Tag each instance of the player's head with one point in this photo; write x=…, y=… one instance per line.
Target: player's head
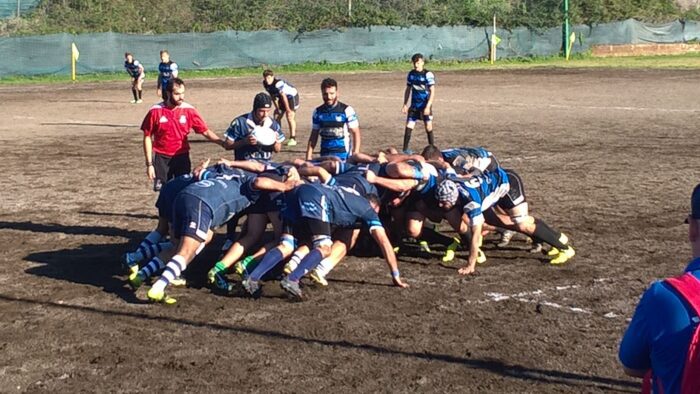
x=129, y=57
x=175, y=90
x=447, y=194
x=432, y=152
x=164, y=56
x=694, y=221
x=268, y=76
x=329, y=91
x=262, y=105
x=418, y=61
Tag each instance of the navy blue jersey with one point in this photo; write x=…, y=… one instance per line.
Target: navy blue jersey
x=479, y=193
x=226, y=195
x=166, y=71
x=466, y=159
x=279, y=87
x=333, y=124
x=340, y=206
x=134, y=69
x=241, y=127
x=420, y=83
x=354, y=177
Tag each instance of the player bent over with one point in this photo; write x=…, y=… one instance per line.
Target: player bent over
x=481, y=194
x=197, y=209
x=286, y=99
x=135, y=70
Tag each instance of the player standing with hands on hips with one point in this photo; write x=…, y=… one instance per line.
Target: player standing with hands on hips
x=165, y=129
x=420, y=87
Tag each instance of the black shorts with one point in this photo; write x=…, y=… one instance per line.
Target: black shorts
x=516, y=193
x=169, y=167
x=293, y=102
x=306, y=229
x=416, y=114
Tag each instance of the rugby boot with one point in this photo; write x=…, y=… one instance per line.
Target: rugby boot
x=536, y=248
x=221, y=284
x=160, y=297
x=506, y=237
x=219, y=267
x=292, y=288
x=424, y=247
x=179, y=281
x=252, y=287
x=318, y=278
x=135, y=280
x=563, y=256
x=450, y=252
x=480, y=257
x=292, y=142
x=131, y=263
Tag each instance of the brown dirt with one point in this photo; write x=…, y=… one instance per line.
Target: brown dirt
x=604, y=158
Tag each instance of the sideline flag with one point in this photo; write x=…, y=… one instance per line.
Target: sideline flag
x=74, y=55
x=572, y=40
x=496, y=40
x=74, y=51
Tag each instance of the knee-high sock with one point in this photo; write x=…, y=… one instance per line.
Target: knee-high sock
x=151, y=268
x=325, y=267
x=148, y=247
x=309, y=262
x=172, y=270
x=406, y=138
x=547, y=234
x=135, y=93
x=269, y=261
x=431, y=139
x=140, y=94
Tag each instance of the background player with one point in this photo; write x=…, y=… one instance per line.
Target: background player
x=420, y=87
x=137, y=73
x=286, y=100
x=335, y=122
x=167, y=69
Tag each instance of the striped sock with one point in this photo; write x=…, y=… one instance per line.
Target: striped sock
x=325, y=267
x=147, y=247
x=153, y=266
x=309, y=262
x=295, y=260
x=172, y=270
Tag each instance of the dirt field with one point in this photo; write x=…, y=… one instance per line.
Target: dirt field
x=606, y=157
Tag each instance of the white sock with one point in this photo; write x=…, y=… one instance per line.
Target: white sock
x=172, y=270
x=325, y=267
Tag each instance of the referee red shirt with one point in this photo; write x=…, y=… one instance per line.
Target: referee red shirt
x=169, y=127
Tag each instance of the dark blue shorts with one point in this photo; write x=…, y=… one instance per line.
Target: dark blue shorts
x=191, y=217
x=416, y=114
x=168, y=192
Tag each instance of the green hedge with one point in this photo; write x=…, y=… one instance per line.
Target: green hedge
x=174, y=16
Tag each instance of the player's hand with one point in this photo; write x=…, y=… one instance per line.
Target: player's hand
x=381, y=158
x=293, y=174
x=252, y=140
x=398, y=282
x=151, y=172
x=426, y=111
x=404, y=109
x=469, y=268
x=371, y=176
x=198, y=170
x=159, y=93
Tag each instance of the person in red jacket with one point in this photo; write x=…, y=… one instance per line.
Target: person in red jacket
x=165, y=129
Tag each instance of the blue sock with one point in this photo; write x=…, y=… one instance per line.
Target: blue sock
x=309, y=262
x=268, y=262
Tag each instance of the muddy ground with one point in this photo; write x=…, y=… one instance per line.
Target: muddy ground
x=607, y=156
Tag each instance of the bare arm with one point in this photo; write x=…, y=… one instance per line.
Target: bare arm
x=319, y=172
x=474, y=247
x=406, y=96
x=148, y=154
x=429, y=104
x=211, y=136
x=396, y=185
x=248, y=165
x=269, y=184
x=313, y=139
x=356, y=140
x=277, y=147
x=379, y=235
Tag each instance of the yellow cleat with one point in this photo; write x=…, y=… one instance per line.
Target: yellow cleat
x=317, y=278
x=160, y=297
x=239, y=268
x=563, y=256
x=396, y=249
x=480, y=257
x=424, y=246
x=553, y=252
x=292, y=142
x=450, y=252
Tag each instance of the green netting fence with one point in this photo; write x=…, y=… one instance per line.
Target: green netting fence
x=104, y=52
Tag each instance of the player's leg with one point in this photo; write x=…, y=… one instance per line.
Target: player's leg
x=273, y=257
x=428, y=121
x=410, y=125
x=139, y=90
x=291, y=113
x=149, y=247
x=321, y=238
x=345, y=240
x=254, y=231
x=134, y=90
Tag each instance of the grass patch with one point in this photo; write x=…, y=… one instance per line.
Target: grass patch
x=686, y=61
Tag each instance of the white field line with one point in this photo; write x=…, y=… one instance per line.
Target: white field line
x=572, y=106
x=537, y=297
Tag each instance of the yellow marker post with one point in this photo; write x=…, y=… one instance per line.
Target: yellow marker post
x=572, y=40
x=74, y=55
